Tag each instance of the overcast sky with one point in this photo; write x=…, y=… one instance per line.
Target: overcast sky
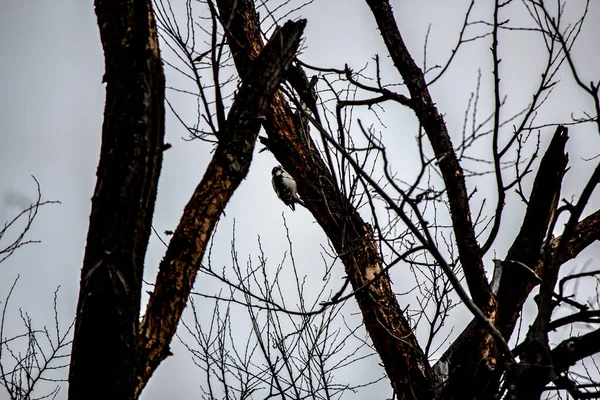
x=51, y=107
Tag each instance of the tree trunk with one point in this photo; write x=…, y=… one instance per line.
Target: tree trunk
x=103, y=358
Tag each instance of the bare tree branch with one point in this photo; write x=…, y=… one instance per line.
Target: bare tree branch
x=352, y=238
x=227, y=169
x=433, y=123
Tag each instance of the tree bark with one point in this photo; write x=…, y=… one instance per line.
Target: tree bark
x=454, y=180
x=228, y=167
x=103, y=357
x=474, y=359
x=516, y=283
x=392, y=336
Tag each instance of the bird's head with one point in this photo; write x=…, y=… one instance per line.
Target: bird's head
x=278, y=170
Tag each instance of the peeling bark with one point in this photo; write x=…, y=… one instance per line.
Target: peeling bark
x=228, y=167
x=103, y=357
x=392, y=336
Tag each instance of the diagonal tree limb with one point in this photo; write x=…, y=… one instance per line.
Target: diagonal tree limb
x=539, y=365
x=228, y=167
x=589, y=316
x=421, y=103
x=571, y=350
x=122, y=205
x=586, y=232
x=551, y=266
x=452, y=173
x=515, y=283
x=392, y=336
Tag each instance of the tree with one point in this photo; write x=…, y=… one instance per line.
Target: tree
x=382, y=225
x=128, y=172
x=480, y=362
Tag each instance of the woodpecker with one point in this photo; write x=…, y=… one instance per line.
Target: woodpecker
x=285, y=187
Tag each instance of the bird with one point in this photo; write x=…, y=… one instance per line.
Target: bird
x=285, y=187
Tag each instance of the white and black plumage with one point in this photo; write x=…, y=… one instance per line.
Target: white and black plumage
x=285, y=187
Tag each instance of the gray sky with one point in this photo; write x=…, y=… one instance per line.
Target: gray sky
x=51, y=107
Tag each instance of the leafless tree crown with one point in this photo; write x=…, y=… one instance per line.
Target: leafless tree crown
x=430, y=213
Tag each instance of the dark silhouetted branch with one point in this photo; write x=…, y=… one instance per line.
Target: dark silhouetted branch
x=122, y=205
x=392, y=336
x=228, y=167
